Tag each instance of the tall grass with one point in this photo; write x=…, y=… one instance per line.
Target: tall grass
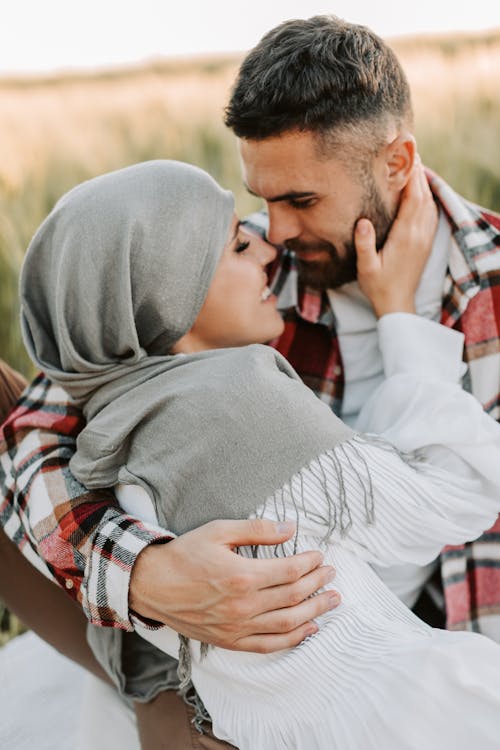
x=455, y=84
x=55, y=132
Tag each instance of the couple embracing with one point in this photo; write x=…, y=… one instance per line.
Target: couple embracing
x=148, y=303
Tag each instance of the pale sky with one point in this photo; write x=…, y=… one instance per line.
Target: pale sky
x=44, y=35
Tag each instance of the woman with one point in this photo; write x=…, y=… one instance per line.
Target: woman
x=192, y=428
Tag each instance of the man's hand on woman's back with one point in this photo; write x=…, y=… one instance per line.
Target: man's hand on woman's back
x=201, y=588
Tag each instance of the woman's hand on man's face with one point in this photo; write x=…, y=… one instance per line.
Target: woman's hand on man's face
x=201, y=588
x=390, y=277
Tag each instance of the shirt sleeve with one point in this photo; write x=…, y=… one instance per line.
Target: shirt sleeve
x=450, y=445
x=416, y=345
x=80, y=539
x=421, y=406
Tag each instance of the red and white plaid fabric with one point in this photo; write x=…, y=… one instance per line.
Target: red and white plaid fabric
x=81, y=539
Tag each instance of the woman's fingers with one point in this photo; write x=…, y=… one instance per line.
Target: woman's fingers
x=365, y=242
x=417, y=214
x=390, y=277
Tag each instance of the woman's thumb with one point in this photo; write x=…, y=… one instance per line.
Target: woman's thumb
x=365, y=243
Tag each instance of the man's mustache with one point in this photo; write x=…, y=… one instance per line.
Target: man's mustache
x=298, y=246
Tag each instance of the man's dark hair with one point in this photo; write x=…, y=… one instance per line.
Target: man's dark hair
x=322, y=75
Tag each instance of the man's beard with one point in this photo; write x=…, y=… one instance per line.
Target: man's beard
x=340, y=269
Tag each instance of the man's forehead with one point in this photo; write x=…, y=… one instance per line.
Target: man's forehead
x=276, y=180
x=275, y=149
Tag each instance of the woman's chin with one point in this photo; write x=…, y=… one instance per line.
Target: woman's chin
x=271, y=332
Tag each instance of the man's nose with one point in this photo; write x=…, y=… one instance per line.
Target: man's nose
x=283, y=225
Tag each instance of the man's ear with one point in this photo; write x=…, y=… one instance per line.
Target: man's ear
x=400, y=157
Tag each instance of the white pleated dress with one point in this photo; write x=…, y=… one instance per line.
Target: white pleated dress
x=374, y=677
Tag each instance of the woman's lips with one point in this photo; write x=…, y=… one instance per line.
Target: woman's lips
x=267, y=297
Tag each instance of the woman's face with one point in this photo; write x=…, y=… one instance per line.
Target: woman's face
x=238, y=309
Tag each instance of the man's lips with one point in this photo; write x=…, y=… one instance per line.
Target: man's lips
x=311, y=256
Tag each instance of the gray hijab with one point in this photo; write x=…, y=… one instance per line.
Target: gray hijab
x=119, y=270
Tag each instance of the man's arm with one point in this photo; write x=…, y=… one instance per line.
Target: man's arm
x=110, y=561
x=80, y=539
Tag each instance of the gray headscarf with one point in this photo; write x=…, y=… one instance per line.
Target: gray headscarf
x=119, y=271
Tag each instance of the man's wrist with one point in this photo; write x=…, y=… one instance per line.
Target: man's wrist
x=142, y=577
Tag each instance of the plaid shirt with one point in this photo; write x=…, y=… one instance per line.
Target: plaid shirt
x=89, y=545
x=81, y=539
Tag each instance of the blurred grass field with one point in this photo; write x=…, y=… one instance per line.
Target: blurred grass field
x=57, y=131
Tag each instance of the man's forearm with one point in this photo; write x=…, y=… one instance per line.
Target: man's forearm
x=81, y=539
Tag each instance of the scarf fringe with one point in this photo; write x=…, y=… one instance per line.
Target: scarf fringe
x=350, y=453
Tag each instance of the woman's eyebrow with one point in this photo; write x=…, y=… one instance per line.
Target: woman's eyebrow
x=237, y=229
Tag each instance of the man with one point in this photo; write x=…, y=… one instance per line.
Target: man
x=323, y=113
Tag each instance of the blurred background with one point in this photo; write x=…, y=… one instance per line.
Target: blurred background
x=96, y=86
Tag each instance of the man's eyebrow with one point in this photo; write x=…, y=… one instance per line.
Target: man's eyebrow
x=290, y=196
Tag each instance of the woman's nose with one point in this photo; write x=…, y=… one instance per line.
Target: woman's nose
x=267, y=252
x=262, y=251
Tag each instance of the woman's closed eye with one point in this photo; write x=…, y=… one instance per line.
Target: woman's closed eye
x=241, y=246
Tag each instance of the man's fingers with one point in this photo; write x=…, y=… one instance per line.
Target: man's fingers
x=289, y=618
x=250, y=532
x=265, y=573
x=365, y=242
x=287, y=628
x=266, y=644
x=291, y=594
